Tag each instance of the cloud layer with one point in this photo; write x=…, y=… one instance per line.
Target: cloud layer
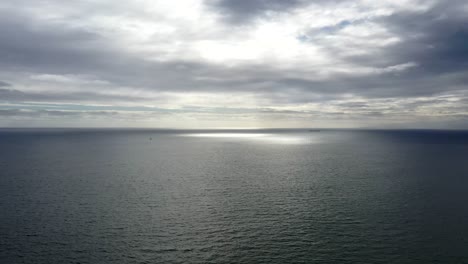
x=227, y=63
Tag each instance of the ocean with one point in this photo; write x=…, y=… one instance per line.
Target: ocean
x=239, y=196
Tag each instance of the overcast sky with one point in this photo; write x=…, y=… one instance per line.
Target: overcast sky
x=234, y=63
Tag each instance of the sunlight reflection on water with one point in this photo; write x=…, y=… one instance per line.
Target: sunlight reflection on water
x=259, y=137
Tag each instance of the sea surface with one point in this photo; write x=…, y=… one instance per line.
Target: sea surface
x=254, y=196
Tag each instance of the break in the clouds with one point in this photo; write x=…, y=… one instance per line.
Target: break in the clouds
x=234, y=63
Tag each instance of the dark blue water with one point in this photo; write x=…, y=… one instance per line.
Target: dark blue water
x=84, y=196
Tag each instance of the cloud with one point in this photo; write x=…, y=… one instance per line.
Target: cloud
x=12, y=95
x=246, y=11
x=242, y=11
x=272, y=61
x=436, y=39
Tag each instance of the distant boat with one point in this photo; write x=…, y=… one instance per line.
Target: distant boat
x=314, y=130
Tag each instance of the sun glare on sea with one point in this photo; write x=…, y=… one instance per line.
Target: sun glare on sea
x=259, y=137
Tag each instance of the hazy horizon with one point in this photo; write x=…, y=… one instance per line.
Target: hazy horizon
x=239, y=129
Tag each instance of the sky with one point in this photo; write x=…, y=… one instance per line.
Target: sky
x=234, y=63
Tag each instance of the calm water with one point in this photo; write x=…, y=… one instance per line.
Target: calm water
x=254, y=197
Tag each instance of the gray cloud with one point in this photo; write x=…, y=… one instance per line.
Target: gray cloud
x=436, y=40
x=242, y=11
x=22, y=113
x=12, y=95
x=245, y=11
x=432, y=42
x=31, y=45
x=54, y=49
